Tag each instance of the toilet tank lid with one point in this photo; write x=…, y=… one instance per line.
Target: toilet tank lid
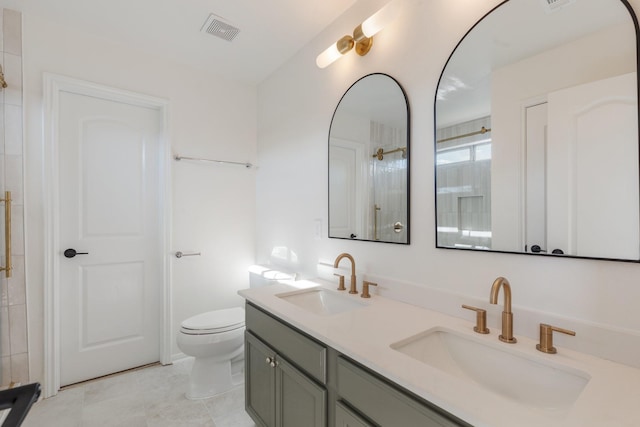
x=215, y=319
x=269, y=273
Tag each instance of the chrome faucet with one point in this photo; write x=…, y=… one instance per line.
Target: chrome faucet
x=507, y=315
x=352, y=288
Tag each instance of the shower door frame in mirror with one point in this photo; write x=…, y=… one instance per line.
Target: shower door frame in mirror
x=368, y=163
x=493, y=212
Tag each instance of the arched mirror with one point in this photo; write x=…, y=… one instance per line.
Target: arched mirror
x=369, y=163
x=536, y=133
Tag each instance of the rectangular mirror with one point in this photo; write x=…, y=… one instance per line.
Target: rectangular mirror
x=537, y=132
x=369, y=163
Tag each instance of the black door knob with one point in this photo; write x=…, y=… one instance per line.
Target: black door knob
x=537, y=249
x=558, y=252
x=70, y=253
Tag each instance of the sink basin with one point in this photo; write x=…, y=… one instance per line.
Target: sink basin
x=322, y=301
x=526, y=379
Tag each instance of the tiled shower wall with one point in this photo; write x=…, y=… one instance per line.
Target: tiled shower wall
x=13, y=309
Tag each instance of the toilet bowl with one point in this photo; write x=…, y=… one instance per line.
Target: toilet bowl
x=216, y=340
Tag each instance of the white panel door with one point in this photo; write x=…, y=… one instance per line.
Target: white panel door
x=109, y=209
x=536, y=177
x=593, y=169
x=347, y=195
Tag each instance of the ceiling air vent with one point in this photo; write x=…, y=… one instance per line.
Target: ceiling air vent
x=555, y=5
x=216, y=26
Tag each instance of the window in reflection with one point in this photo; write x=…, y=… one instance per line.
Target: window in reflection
x=561, y=91
x=463, y=156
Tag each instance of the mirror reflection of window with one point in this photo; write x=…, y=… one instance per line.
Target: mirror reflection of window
x=463, y=177
x=559, y=83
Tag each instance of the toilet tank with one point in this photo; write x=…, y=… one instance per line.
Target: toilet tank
x=261, y=275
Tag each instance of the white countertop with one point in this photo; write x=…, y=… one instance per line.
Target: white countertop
x=610, y=398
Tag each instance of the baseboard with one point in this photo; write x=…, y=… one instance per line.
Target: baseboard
x=178, y=357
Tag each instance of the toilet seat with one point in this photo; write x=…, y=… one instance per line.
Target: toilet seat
x=214, y=322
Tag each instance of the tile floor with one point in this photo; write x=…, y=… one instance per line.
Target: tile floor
x=149, y=397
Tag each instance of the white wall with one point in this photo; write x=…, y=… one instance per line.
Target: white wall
x=294, y=111
x=213, y=206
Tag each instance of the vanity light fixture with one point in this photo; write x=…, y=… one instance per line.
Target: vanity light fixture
x=362, y=37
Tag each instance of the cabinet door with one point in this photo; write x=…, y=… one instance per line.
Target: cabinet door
x=307, y=354
x=347, y=418
x=260, y=381
x=300, y=401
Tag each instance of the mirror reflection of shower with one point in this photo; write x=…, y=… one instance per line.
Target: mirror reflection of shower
x=369, y=163
x=388, y=172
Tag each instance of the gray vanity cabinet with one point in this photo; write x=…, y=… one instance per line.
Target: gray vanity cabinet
x=282, y=369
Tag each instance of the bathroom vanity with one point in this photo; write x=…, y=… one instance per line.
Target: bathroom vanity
x=318, y=357
x=293, y=379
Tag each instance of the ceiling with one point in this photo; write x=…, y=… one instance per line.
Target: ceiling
x=171, y=28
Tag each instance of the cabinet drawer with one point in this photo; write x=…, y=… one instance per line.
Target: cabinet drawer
x=345, y=417
x=387, y=405
x=307, y=354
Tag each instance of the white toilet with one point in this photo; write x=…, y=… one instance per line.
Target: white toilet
x=216, y=340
